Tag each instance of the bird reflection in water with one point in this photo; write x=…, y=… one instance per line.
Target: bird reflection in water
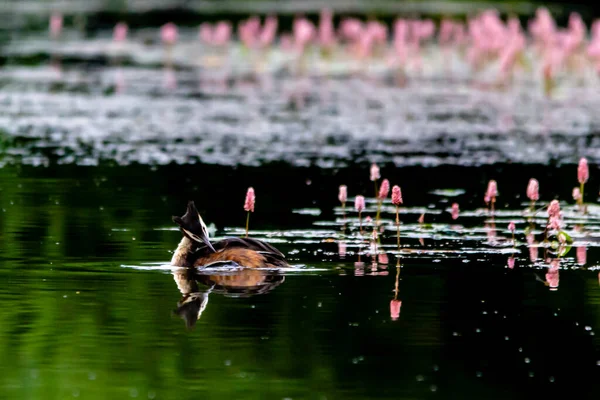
x=196, y=286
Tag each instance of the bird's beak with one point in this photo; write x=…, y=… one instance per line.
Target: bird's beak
x=208, y=243
x=202, y=238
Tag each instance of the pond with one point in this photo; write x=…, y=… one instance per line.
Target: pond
x=102, y=143
x=92, y=309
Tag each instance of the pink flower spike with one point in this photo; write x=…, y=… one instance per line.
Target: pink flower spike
x=396, y=195
x=492, y=190
x=205, y=33
x=422, y=219
x=384, y=190
x=351, y=29
x=56, y=24
x=554, y=209
x=267, y=35
x=359, y=203
x=168, y=33
x=511, y=227
x=533, y=190
x=250, y=200
x=455, y=211
x=120, y=32
x=326, y=30
x=222, y=33
x=583, y=171
x=576, y=194
x=304, y=32
x=375, y=172
x=343, y=194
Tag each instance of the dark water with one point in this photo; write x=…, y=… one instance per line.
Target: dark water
x=88, y=304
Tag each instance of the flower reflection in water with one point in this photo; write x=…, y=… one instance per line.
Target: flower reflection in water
x=552, y=276
x=533, y=249
x=511, y=262
x=395, y=304
x=581, y=254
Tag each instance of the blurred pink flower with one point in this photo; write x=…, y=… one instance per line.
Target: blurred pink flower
x=304, y=32
x=377, y=32
x=343, y=194
x=576, y=194
x=56, y=24
x=533, y=190
x=222, y=33
x=120, y=32
x=326, y=30
x=205, y=33
x=421, y=219
x=217, y=35
x=351, y=29
x=269, y=31
x=511, y=227
x=375, y=172
x=168, y=33
x=492, y=189
x=249, y=30
x=446, y=31
x=583, y=171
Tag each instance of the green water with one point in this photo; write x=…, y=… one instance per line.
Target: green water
x=88, y=305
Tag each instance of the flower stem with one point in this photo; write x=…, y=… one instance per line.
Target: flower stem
x=360, y=221
x=398, y=226
x=247, y=223
x=396, y=290
x=581, y=198
x=375, y=182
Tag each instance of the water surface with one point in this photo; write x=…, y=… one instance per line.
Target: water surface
x=90, y=306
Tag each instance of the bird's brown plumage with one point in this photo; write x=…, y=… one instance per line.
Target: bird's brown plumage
x=196, y=250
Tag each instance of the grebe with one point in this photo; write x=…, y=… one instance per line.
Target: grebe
x=196, y=249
